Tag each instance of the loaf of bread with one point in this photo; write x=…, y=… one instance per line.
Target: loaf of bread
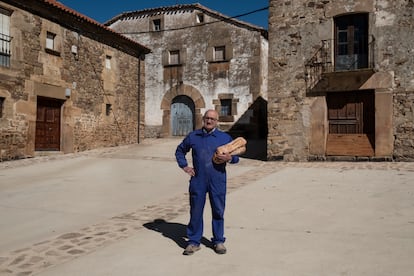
x=235, y=147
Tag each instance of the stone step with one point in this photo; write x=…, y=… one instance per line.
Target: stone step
x=48, y=153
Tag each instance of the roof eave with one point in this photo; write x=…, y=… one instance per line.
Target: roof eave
x=196, y=6
x=70, y=19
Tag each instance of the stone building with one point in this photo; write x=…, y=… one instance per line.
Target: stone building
x=200, y=60
x=341, y=83
x=67, y=83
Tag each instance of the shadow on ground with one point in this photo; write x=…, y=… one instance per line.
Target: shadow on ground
x=174, y=231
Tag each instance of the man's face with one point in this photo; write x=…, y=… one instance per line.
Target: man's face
x=210, y=120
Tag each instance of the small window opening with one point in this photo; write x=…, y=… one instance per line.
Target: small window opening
x=108, y=109
x=50, y=41
x=220, y=53
x=1, y=106
x=108, y=62
x=174, y=57
x=156, y=25
x=200, y=18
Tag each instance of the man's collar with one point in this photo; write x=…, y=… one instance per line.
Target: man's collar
x=208, y=132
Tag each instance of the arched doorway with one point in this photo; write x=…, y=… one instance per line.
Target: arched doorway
x=182, y=115
x=171, y=96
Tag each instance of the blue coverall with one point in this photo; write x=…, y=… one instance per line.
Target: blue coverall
x=209, y=178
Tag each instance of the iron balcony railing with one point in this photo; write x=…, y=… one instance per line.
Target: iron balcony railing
x=5, y=50
x=325, y=61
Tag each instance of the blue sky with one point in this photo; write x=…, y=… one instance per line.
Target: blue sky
x=104, y=10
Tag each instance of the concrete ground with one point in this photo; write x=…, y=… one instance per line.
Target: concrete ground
x=123, y=211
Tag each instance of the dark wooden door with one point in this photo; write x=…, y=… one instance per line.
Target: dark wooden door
x=351, y=118
x=48, y=124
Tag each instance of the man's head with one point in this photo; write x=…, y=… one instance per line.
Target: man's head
x=210, y=119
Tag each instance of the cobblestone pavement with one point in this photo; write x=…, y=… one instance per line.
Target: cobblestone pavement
x=64, y=247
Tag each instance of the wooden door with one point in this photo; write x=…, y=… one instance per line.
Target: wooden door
x=48, y=124
x=182, y=116
x=351, y=118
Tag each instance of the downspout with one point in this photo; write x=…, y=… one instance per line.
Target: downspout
x=139, y=97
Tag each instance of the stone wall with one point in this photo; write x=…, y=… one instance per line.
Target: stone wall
x=397, y=52
x=241, y=75
x=289, y=29
x=86, y=122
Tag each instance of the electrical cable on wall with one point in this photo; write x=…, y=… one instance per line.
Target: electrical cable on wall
x=201, y=24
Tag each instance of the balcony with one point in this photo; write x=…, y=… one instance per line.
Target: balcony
x=328, y=71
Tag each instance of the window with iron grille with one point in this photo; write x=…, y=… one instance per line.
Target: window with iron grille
x=5, y=37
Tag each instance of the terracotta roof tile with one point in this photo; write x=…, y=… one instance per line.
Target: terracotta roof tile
x=84, y=20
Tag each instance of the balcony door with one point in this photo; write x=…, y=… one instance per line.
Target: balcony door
x=351, y=42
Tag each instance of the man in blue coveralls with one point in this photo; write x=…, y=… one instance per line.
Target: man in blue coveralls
x=206, y=177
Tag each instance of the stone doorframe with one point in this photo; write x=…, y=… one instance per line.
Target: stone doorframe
x=178, y=90
x=384, y=139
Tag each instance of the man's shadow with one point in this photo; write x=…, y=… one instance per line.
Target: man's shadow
x=174, y=231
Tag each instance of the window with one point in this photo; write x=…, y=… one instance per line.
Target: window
x=351, y=37
x=220, y=53
x=200, y=18
x=225, y=107
x=1, y=106
x=51, y=46
x=50, y=41
x=174, y=57
x=108, y=62
x=5, y=37
x=156, y=23
x=108, y=109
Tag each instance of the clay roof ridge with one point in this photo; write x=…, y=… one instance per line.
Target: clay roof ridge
x=72, y=11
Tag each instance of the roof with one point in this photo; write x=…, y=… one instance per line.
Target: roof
x=73, y=20
x=196, y=6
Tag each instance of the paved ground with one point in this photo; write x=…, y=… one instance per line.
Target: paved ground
x=122, y=211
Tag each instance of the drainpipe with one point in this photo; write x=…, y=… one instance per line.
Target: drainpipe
x=141, y=58
x=139, y=97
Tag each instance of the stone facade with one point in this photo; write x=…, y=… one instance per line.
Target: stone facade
x=307, y=81
x=63, y=62
x=202, y=60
